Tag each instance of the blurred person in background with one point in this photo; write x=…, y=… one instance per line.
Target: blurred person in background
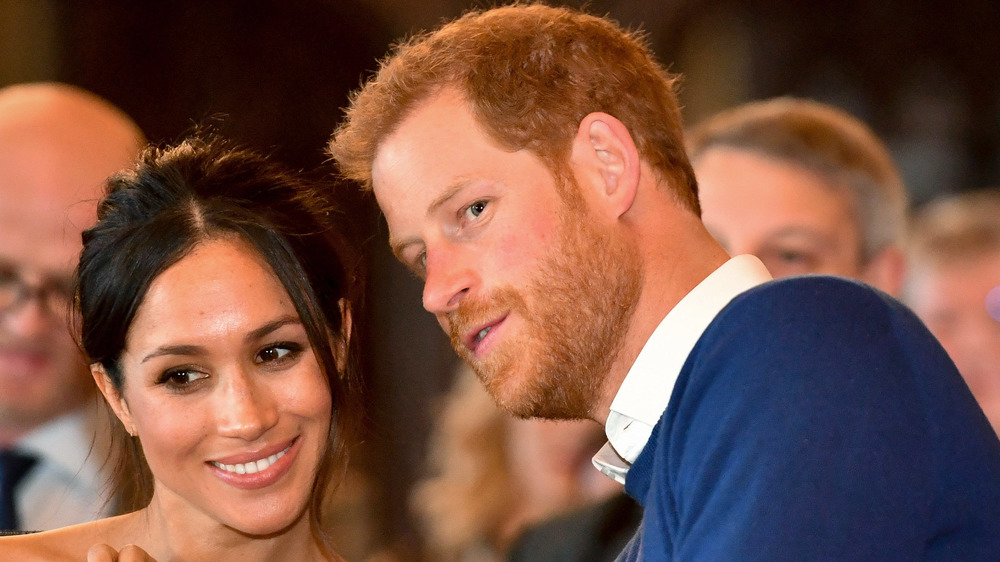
x=805, y=187
x=490, y=474
x=57, y=145
x=953, y=284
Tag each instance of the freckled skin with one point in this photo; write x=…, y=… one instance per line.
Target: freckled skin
x=553, y=284
x=217, y=366
x=241, y=398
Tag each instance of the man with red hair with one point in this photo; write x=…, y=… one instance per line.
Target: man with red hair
x=531, y=168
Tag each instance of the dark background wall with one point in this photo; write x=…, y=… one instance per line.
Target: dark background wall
x=275, y=75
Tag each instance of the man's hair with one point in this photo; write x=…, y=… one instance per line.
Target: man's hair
x=828, y=142
x=531, y=73
x=956, y=229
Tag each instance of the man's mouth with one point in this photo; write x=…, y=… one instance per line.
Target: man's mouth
x=474, y=338
x=482, y=333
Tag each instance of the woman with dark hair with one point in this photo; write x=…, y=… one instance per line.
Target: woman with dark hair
x=215, y=298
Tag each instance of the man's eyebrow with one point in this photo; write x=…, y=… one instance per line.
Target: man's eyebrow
x=59, y=278
x=447, y=194
x=799, y=232
x=399, y=245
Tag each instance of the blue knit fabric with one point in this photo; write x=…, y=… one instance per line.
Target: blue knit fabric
x=817, y=419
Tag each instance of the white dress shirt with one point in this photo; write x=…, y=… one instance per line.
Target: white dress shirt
x=646, y=390
x=67, y=484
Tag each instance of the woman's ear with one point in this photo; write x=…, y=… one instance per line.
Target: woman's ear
x=113, y=397
x=341, y=343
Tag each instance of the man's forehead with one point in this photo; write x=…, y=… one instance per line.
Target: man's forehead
x=406, y=163
x=50, y=260
x=46, y=201
x=43, y=234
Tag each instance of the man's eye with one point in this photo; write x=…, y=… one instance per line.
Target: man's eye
x=8, y=276
x=476, y=208
x=791, y=256
x=65, y=288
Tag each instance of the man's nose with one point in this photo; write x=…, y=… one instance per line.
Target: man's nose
x=450, y=276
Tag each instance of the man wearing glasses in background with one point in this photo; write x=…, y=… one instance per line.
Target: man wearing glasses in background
x=57, y=145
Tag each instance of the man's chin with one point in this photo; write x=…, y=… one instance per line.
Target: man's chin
x=509, y=391
x=524, y=397
x=43, y=393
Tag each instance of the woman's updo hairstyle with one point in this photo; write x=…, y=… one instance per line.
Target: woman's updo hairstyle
x=202, y=189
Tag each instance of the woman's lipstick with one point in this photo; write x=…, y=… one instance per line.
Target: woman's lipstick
x=254, y=470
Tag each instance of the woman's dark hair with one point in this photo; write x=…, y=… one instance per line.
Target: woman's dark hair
x=202, y=189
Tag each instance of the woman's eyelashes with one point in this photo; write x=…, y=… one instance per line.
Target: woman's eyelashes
x=181, y=378
x=279, y=354
x=272, y=357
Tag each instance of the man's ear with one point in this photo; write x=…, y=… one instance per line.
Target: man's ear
x=605, y=156
x=341, y=343
x=111, y=394
x=886, y=270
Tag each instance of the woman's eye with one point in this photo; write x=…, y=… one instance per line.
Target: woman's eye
x=181, y=377
x=277, y=352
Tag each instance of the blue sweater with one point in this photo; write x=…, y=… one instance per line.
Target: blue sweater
x=817, y=419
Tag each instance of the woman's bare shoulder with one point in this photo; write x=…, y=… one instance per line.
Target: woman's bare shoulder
x=66, y=543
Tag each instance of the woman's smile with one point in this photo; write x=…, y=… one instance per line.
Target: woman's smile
x=228, y=400
x=260, y=471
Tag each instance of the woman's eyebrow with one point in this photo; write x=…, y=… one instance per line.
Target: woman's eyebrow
x=173, y=350
x=254, y=335
x=271, y=327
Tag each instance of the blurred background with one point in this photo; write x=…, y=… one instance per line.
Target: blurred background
x=275, y=74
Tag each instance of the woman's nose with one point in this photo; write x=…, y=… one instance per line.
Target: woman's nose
x=245, y=408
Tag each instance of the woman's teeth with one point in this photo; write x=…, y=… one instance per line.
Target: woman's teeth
x=252, y=466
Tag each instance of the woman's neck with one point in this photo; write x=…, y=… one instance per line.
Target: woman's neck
x=173, y=532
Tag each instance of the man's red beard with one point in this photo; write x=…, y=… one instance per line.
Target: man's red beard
x=574, y=316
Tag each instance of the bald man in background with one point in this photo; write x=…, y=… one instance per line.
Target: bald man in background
x=57, y=145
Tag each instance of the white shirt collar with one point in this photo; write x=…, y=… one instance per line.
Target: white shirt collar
x=646, y=390
x=67, y=441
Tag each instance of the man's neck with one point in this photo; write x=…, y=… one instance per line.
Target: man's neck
x=675, y=261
